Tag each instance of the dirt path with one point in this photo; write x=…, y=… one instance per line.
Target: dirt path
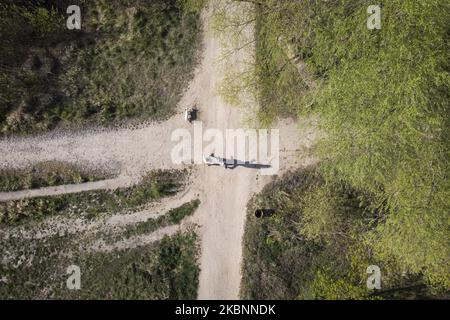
x=225, y=193
x=129, y=151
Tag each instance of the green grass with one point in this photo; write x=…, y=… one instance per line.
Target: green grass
x=35, y=268
x=167, y=269
x=178, y=214
x=153, y=186
x=130, y=63
x=46, y=174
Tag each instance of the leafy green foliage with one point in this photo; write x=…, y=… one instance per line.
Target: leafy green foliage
x=382, y=97
x=178, y=214
x=386, y=127
x=325, y=287
x=317, y=246
x=43, y=21
x=193, y=5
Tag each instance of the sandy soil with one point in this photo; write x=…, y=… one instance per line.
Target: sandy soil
x=224, y=193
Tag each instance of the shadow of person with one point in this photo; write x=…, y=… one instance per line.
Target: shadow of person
x=255, y=165
x=233, y=163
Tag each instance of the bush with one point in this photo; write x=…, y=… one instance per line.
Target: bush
x=317, y=244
